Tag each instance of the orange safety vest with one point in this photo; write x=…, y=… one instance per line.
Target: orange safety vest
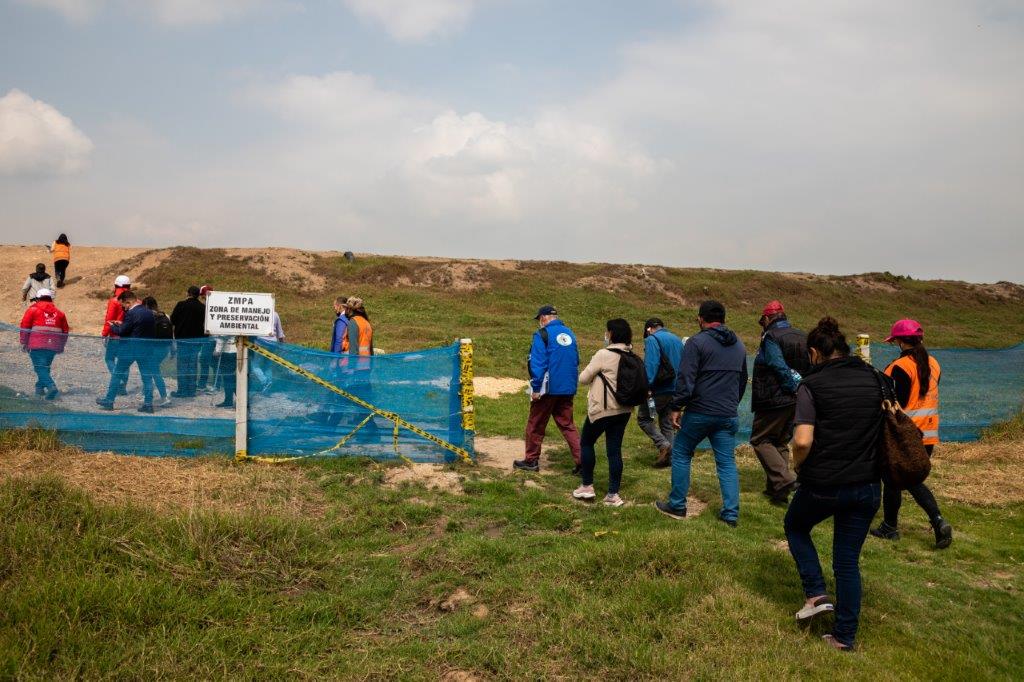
x=60, y=252
x=924, y=411
x=365, y=336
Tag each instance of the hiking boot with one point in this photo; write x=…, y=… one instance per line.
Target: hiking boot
x=819, y=606
x=52, y=393
x=732, y=523
x=943, y=533
x=105, y=405
x=148, y=409
x=584, y=492
x=668, y=510
x=526, y=465
x=886, y=532
x=664, y=458
x=613, y=500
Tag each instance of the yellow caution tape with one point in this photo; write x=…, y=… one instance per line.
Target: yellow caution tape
x=391, y=416
x=466, y=384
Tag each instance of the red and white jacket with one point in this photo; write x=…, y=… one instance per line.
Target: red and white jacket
x=44, y=327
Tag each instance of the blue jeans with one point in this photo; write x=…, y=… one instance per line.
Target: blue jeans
x=853, y=507
x=613, y=428
x=126, y=357
x=41, y=361
x=721, y=433
x=207, y=363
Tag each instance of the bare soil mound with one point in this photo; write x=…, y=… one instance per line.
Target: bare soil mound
x=431, y=476
x=291, y=266
x=987, y=473
x=495, y=387
x=499, y=453
x=170, y=484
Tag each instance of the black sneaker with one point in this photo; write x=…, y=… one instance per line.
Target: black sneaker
x=526, y=465
x=577, y=469
x=886, y=532
x=668, y=510
x=732, y=523
x=104, y=404
x=52, y=393
x=943, y=533
x=148, y=409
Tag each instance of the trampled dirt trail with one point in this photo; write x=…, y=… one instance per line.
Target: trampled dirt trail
x=88, y=276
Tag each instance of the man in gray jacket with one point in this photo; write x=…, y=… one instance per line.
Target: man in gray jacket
x=711, y=381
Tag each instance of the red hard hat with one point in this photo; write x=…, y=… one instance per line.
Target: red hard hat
x=773, y=308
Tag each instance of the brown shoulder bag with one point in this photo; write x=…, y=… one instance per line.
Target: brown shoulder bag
x=901, y=452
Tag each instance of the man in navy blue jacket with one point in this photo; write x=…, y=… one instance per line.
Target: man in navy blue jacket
x=554, y=374
x=138, y=323
x=711, y=382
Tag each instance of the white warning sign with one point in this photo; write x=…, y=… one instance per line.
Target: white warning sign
x=233, y=313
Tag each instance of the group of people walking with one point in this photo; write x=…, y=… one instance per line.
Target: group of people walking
x=817, y=417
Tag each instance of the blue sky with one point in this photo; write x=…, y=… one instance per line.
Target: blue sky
x=825, y=137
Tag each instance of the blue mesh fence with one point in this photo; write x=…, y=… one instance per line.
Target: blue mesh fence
x=978, y=388
x=288, y=414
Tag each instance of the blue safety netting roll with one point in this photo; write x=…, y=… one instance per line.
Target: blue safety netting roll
x=288, y=413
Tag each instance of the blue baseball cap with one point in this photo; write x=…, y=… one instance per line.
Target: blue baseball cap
x=546, y=310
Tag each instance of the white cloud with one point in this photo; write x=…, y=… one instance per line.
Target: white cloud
x=165, y=12
x=414, y=20
x=37, y=140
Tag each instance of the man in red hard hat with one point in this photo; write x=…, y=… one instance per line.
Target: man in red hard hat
x=780, y=363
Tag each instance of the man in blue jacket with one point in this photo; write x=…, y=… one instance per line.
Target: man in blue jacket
x=554, y=374
x=662, y=352
x=340, y=324
x=138, y=324
x=711, y=382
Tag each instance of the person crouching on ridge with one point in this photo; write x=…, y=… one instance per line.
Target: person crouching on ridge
x=554, y=363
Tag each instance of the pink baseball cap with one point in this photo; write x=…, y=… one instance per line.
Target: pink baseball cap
x=905, y=328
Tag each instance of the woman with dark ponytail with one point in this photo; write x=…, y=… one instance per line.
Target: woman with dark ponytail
x=916, y=375
x=838, y=417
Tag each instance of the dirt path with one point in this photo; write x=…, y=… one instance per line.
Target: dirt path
x=87, y=276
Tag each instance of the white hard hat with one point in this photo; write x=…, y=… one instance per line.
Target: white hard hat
x=123, y=281
x=44, y=293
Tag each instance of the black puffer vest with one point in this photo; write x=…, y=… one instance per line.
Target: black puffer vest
x=766, y=390
x=847, y=403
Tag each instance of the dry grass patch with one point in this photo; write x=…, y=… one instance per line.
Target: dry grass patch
x=169, y=484
x=987, y=473
x=431, y=476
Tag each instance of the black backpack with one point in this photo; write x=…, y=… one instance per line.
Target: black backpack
x=666, y=372
x=631, y=387
x=162, y=327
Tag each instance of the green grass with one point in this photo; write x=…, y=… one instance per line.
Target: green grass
x=572, y=590
x=413, y=304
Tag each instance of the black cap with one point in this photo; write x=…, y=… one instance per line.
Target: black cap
x=546, y=310
x=193, y=291
x=653, y=322
x=710, y=309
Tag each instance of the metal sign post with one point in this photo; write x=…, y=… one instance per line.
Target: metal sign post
x=240, y=314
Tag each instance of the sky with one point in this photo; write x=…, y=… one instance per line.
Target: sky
x=831, y=137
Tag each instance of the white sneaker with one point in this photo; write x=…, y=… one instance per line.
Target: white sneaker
x=613, y=500
x=165, y=402
x=584, y=492
x=821, y=605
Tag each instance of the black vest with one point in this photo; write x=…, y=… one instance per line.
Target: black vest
x=766, y=391
x=847, y=403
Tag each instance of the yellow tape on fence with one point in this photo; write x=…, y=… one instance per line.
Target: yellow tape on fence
x=391, y=416
x=466, y=383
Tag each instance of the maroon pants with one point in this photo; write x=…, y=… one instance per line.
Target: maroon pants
x=542, y=409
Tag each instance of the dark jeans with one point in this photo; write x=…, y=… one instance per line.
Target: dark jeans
x=543, y=409
x=892, y=500
x=226, y=373
x=769, y=436
x=853, y=507
x=41, y=361
x=126, y=357
x=662, y=433
x=188, y=361
x=207, y=363
x=114, y=346
x=157, y=355
x=613, y=428
x=60, y=268
x=721, y=433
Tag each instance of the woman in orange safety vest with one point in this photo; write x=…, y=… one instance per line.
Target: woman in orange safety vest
x=61, y=251
x=358, y=338
x=916, y=375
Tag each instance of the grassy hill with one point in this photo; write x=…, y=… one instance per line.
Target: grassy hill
x=423, y=302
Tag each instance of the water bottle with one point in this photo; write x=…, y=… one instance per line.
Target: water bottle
x=650, y=405
x=796, y=375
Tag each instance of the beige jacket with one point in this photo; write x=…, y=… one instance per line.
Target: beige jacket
x=607, y=363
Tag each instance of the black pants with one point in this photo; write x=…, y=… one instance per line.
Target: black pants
x=60, y=267
x=892, y=499
x=613, y=428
